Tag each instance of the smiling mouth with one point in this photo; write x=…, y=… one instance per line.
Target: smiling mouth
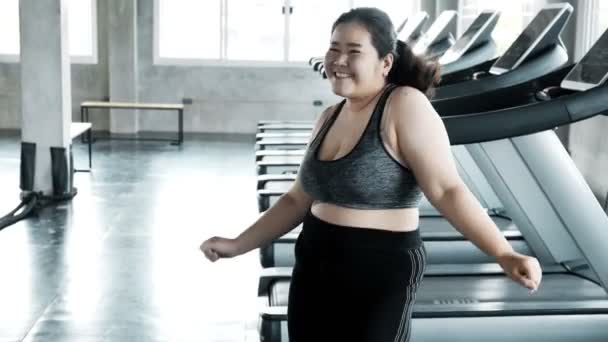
x=341, y=75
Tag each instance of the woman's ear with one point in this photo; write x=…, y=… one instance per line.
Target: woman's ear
x=387, y=64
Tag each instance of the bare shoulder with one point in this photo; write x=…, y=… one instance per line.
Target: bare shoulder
x=407, y=102
x=411, y=109
x=322, y=118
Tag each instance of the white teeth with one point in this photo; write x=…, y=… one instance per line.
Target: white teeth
x=341, y=75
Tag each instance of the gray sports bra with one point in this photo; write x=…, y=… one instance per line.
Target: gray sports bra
x=368, y=177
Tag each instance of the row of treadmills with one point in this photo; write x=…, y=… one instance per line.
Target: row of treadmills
x=439, y=43
x=500, y=123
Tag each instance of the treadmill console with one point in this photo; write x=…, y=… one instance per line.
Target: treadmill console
x=476, y=34
x=592, y=69
x=413, y=27
x=439, y=30
x=530, y=38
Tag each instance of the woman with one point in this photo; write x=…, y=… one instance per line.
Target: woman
x=360, y=258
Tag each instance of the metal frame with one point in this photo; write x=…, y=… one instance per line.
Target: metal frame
x=84, y=117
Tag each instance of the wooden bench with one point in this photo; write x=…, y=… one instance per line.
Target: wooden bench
x=85, y=106
x=76, y=130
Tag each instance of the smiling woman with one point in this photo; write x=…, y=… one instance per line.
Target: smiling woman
x=370, y=158
x=399, y=64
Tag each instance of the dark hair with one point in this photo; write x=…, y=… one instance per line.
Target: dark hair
x=408, y=69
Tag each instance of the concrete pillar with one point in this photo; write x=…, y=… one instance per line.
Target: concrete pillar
x=46, y=102
x=122, y=63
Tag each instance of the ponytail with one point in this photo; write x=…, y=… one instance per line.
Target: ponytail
x=414, y=71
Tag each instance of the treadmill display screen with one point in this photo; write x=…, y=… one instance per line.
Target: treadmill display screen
x=435, y=31
x=526, y=40
x=464, y=41
x=592, y=68
x=413, y=27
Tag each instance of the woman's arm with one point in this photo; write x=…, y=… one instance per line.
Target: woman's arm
x=287, y=213
x=424, y=144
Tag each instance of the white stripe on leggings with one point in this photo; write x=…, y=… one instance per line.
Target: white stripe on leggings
x=414, y=288
x=418, y=261
x=406, y=304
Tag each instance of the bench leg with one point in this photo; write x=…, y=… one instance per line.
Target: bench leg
x=82, y=120
x=180, y=127
x=89, y=136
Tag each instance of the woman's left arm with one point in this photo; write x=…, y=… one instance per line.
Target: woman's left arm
x=424, y=144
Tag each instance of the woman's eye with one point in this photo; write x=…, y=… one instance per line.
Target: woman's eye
x=354, y=51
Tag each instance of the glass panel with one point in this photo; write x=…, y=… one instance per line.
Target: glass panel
x=9, y=27
x=189, y=29
x=80, y=27
x=602, y=20
x=310, y=27
x=398, y=10
x=256, y=30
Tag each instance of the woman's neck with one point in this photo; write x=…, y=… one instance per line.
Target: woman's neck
x=360, y=103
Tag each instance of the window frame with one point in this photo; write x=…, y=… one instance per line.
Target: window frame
x=222, y=62
x=91, y=59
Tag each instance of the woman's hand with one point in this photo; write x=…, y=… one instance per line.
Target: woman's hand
x=218, y=247
x=522, y=269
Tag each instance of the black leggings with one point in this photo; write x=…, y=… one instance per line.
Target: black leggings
x=353, y=284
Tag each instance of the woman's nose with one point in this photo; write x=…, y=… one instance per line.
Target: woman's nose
x=341, y=59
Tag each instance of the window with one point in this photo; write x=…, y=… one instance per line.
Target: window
x=397, y=10
x=602, y=19
x=82, y=30
x=189, y=29
x=513, y=14
x=306, y=40
x=254, y=31
x=9, y=27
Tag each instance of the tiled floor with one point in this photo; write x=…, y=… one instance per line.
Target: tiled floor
x=121, y=261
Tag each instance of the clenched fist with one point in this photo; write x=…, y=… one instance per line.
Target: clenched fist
x=218, y=247
x=522, y=269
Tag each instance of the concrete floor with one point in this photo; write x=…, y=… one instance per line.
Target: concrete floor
x=121, y=261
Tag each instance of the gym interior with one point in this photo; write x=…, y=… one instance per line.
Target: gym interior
x=133, y=130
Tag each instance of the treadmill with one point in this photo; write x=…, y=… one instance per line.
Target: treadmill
x=538, y=50
x=549, y=201
x=439, y=37
x=474, y=47
x=413, y=28
x=549, y=22
x=281, y=252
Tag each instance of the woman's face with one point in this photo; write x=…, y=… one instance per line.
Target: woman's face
x=352, y=63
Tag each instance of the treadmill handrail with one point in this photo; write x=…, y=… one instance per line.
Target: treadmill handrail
x=297, y=141
x=269, y=193
x=526, y=119
x=263, y=179
x=263, y=153
x=277, y=163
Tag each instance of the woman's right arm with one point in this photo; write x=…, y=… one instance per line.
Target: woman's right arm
x=287, y=213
